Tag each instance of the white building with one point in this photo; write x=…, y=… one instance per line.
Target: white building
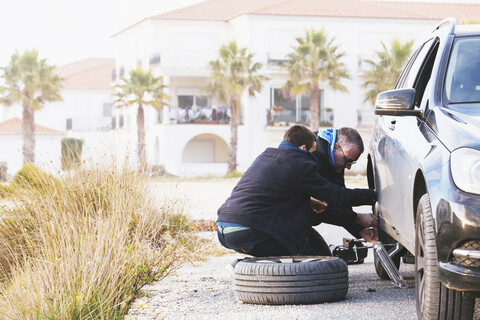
x=47, y=146
x=191, y=137
x=86, y=112
x=179, y=44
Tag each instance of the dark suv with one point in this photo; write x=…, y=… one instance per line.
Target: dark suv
x=424, y=161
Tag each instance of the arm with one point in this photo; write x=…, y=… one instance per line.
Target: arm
x=320, y=188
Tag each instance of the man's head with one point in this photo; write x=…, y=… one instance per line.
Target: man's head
x=301, y=136
x=348, y=148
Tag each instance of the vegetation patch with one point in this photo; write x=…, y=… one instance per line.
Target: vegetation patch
x=83, y=245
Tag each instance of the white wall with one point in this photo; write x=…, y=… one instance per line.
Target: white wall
x=185, y=48
x=47, y=152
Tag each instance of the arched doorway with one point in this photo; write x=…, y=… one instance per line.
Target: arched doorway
x=205, y=148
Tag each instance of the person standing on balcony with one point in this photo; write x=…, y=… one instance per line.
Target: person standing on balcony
x=337, y=150
x=269, y=212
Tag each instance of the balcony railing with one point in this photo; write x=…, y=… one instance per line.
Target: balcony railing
x=285, y=117
x=365, y=117
x=200, y=115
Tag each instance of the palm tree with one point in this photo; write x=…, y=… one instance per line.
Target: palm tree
x=315, y=58
x=30, y=81
x=141, y=89
x=231, y=75
x=385, y=69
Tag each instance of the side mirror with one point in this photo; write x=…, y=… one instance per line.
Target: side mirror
x=399, y=102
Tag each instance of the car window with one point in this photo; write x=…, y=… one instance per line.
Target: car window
x=462, y=82
x=403, y=75
x=411, y=76
x=425, y=73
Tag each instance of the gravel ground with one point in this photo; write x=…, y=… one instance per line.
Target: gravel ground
x=205, y=290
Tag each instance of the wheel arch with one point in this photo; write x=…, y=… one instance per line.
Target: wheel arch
x=370, y=175
x=419, y=189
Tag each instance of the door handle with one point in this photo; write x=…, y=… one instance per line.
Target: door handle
x=391, y=126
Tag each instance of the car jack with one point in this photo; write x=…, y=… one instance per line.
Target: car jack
x=388, y=264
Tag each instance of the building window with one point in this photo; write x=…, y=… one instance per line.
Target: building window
x=122, y=71
x=69, y=124
x=121, y=121
x=155, y=59
x=289, y=109
x=107, y=109
x=185, y=102
x=114, y=74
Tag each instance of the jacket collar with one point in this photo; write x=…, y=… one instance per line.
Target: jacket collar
x=287, y=145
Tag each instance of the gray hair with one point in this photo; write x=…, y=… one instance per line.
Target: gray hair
x=349, y=136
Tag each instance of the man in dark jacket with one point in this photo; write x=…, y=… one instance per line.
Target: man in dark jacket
x=337, y=150
x=269, y=212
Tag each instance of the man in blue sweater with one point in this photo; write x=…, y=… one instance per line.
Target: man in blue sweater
x=269, y=212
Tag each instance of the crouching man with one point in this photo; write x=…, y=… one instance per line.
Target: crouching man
x=269, y=212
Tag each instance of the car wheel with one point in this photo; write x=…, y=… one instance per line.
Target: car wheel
x=291, y=280
x=434, y=300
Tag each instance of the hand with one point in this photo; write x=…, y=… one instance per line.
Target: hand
x=317, y=205
x=369, y=235
x=366, y=220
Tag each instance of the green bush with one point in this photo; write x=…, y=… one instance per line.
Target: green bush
x=234, y=174
x=71, y=153
x=31, y=176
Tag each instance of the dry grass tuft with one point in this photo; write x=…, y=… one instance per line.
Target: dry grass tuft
x=82, y=246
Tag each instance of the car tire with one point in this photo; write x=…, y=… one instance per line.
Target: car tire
x=291, y=280
x=434, y=300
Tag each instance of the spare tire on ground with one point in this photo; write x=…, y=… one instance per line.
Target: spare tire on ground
x=291, y=279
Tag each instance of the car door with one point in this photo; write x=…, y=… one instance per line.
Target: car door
x=405, y=145
x=381, y=172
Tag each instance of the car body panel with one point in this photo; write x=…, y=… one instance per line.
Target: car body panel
x=410, y=155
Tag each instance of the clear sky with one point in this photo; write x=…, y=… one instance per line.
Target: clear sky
x=69, y=30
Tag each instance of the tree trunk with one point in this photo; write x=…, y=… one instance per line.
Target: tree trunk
x=142, y=161
x=234, y=121
x=314, y=107
x=28, y=131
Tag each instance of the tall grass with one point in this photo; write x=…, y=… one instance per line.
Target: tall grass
x=81, y=246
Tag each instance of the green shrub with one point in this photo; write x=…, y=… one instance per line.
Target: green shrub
x=234, y=174
x=30, y=176
x=71, y=153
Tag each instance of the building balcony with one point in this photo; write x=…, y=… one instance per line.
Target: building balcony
x=199, y=115
x=280, y=116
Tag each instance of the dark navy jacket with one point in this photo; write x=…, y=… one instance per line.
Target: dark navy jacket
x=335, y=214
x=273, y=196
